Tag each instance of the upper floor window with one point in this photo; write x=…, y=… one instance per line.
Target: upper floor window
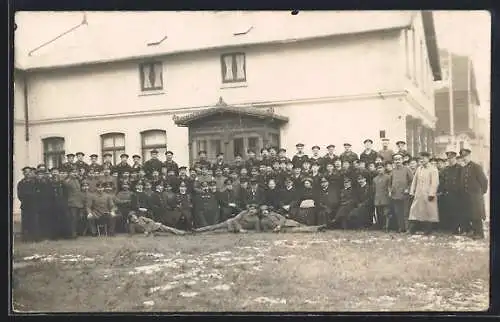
x=151, y=74
x=233, y=68
x=53, y=152
x=153, y=140
x=113, y=143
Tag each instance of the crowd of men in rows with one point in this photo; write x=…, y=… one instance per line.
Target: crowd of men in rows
x=389, y=190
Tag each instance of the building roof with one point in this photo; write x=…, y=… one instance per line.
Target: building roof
x=106, y=37
x=102, y=37
x=222, y=108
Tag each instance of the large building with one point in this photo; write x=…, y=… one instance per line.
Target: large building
x=457, y=104
x=224, y=81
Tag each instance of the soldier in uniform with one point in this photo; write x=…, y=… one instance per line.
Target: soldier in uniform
x=251, y=159
x=58, y=205
x=381, y=199
x=136, y=165
x=73, y=191
x=328, y=202
x=123, y=165
x=228, y=201
x=107, y=162
x=202, y=160
x=153, y=164
x=288, y=198
x=275, y=222
x=402, y=149
x=170, y=164
x=96, y=167
x=385, y=153
x=219, y=179
x=140, y=202
x=330, y=157
x=43, y=199
x=183, y=177
x=185, y=206
x=347, y=204
x=348, y=155
x=400, y=184
x=219, y=161
x=306, y=212
x=315, y=155
x=265, y=160
x=80, y=164
x=108, y=179
x=451, y=212
x=241, y=223
x=474, y=185
x=101, y=207
x=69, y=164
x=368, y=155
x=238, y=163
x=362, y=214
x=255, y=193
x=299, y=158
x=150, y=227
x=272, y=194
x=123, y=202
x=26, y=192
x=273, y=154
x=202, y=213
x=282, y=155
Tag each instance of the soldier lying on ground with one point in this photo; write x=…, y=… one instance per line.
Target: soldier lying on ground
x=273, y=221
x=149, y=226
x=245, y=220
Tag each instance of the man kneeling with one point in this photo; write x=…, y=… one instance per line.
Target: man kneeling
x=273, y=221
x=245, y=220
x=101, y=209
x=149, y=226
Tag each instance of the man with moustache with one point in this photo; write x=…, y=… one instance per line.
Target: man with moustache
x=385, y=153
x=400, y=184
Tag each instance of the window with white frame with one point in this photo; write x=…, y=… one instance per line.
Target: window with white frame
x=53, y=152
x=153, y=140
x=233, y=68
x=113, y=143
x=151, y=75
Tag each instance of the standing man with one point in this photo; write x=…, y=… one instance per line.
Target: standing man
x=101, y=208
x=136, y=165
x=382, y=189
x=69, y=164
x=386, y=153
x=202, y=160
x=328, y=202
x=315, y=155
x=368, y=155
x=299, y=158
x=348, y=155
x=228, y=201
x=153, y=164
x=452, y=215
x=80, y=164
x=170, y=164
x=219, y=162
x=424, y=209
x=107, y=162
x=123, y=166
x=474, y=184
x=330, y=157
x=93, y=163
x=402, y=149
x=26, y=192
x=75, y=204
x=401, y=180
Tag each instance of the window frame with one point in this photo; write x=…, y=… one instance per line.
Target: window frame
x=146, y=148
x=141, y=76
x=115, y=148
x=59, y=153
x=234, y=64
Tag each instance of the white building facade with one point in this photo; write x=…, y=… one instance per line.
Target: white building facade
x=330, y=88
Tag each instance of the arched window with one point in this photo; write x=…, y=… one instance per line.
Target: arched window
x=153, y=140
x=53, y=151
x=113, y=143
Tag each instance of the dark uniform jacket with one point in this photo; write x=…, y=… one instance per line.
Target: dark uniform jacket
x=136, y=167
x=473, y=179
x=450, y=182
x=171, y=166
x=26, y=193
x=288, y=197
x=108, y=165
x=95, y=166
x=122, y=167
x=81, y=165
x=298, y=160
x=368, y=157
x=201, y=163
x=152, y=165
x=349, y=156
x=73, y=193
x=328, y=199
x=139, y=200
x=256, y=196
x=68, y=167
x=273, y=198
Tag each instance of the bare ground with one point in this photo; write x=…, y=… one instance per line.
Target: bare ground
x=332, y=271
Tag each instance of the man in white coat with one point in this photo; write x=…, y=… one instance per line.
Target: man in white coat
x=424, y=209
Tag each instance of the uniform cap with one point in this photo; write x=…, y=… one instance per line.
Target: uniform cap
x=330, y=146
x=316, y=147
x=70, y=155
x=385, y=140
x=299, y=145
x=451, y=154
x=107, y=155
x=368, y=140
x=397, y=156
x=282, y=150
x=465, y=152
x=400, y=142
x=154, y=151
x=94, y=155
x=183, y=168
x=425, y=154
x=27, y=168
x=361, y=177
x=347, y=144
x=202, y=152
x=124, y=155
x=136, y=156
x=212, y=183
x=80, y=153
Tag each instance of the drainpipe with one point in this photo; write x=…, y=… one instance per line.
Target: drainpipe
x=26, y=117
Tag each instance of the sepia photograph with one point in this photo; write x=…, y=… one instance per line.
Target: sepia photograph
x=251, y=161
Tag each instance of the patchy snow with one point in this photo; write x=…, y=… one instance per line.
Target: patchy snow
x=154, y=255
x=68, y=258
x=163, y=288
x=188, y=294
x=148, y=303
x=268, y=300
x=221, y=287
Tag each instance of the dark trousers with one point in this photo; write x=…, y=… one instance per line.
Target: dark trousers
x=70, y=224
x=228, y=212
x=186, y=220
x=424, y=226
x=401, y=212
x=383, y=217
x=342, y=216
x=30, y=228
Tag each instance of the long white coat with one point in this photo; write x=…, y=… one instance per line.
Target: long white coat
x=425, y=183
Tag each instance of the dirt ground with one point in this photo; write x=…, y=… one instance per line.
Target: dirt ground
x=331, y=271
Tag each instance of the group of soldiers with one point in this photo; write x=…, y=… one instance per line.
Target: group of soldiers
x=387, y=190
